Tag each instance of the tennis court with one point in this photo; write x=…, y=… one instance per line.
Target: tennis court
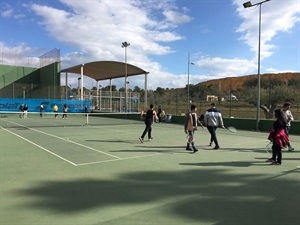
x=65, y=172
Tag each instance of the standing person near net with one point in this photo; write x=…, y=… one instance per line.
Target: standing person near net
x=41, y=110
x=25, y=111
x=190, y=126
x=65, y=110
x=289, y=117
x=278, y=136
x=213, y=119
x=150, y=116
x=21, y=110
x=55, y=110
x=159, y=111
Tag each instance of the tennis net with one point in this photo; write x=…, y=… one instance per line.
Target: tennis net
x=47, y=119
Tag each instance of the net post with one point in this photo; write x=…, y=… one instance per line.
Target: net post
x=87, y=119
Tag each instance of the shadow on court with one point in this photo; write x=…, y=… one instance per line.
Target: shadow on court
x=115, y=180
x=191, y=195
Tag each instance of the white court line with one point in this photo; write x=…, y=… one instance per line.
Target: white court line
x=51, y=135
x=120, y=159
x=80, y=164
x=39, y=146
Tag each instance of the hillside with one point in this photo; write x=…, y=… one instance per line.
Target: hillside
x=235, y=83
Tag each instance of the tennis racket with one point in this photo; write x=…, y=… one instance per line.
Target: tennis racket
x=189, y=139
x=268, y=147
x=232, y=129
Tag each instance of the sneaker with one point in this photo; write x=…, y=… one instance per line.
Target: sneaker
x=141, y=140
x=270, y=160
x=290, y=149
x=188, y=148
x=150, y=139
x=210, y=144
x=216, y=147
x=195, y=149
x=276, y=163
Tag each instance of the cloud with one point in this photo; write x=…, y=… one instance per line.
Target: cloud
x=95, y=31
x=104, y=25
x=176, y=17
x=20, y=54
x=8, y=12
x=276, y=17
x=215, y=66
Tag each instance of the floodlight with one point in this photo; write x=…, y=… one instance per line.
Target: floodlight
x=247, y=4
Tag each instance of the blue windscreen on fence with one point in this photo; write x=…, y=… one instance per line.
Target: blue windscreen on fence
x=13, y=104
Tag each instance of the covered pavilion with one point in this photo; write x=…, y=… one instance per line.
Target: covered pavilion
x=106, y=70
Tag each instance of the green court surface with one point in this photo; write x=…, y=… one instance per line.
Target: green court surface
x=59, y=172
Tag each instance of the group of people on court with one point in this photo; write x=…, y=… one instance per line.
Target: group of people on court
x=212, y=119
x=65, y=110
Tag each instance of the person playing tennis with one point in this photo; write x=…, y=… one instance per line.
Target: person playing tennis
x=213, y=119
x=190, y=126
x=150, y=115
x=289, y=117
x=65, y=110
x=278, y=136
x=55, y=110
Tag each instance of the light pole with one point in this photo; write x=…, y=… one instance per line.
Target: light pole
x=188, y=83
x=125, y=45
x=248, y=5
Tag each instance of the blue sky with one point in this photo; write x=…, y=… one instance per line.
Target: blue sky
x=221, y=37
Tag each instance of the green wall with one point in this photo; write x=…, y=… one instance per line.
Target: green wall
x=39, y=82
x=240, y=124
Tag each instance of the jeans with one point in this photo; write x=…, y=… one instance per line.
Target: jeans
x=213, y=135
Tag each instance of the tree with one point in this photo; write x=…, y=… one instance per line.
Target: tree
x=137, y=89
x=160, y=91
x=272, y=93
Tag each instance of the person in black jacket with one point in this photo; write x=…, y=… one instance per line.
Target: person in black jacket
x=150, y=115
x=159, y=111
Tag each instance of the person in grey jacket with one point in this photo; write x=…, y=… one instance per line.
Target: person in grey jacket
x=289, y=117
x=213, y=119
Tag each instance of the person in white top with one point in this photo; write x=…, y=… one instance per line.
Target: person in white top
x=213, y=119
x=289, y=117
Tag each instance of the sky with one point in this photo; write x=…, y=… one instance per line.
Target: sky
x=176, y=41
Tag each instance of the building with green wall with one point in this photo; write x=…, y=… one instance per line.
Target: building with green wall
x=30, y=82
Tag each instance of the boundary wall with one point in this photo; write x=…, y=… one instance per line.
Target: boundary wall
x=240, y=124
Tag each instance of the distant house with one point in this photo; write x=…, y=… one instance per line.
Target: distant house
x=227, y=98
x=211, y=98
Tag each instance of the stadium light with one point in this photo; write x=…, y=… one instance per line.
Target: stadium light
x=125, y=45
x=248, y=5
x=188, y=82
